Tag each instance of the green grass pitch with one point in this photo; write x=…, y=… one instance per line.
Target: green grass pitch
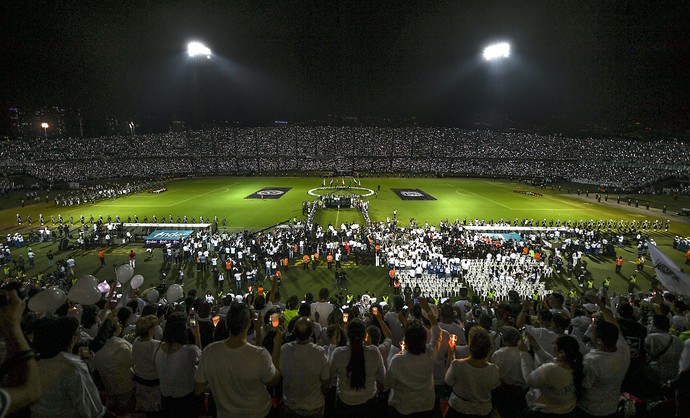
x=455, y=199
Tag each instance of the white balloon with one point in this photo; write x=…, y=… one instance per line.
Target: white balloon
x=124, y=273
x=137, y=281
x=86, y=282
x=175, y=292
x=47, y=300
x=84, y=296
x=152, y=295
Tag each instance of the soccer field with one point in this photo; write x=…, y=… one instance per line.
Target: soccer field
x=282, y=201
x=454, y=199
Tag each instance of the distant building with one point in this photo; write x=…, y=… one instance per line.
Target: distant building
x=27, y=123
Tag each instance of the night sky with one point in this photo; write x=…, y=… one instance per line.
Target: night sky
x=573, y=63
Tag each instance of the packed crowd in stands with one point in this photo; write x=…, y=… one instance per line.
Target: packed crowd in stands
x=429, y=151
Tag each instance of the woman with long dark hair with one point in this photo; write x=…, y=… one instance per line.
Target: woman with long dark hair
x=554, y=386
x=358, y=369
x=176, y=363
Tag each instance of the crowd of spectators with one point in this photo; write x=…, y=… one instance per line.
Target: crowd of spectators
x=147, y=351
x=250, y=354
x=429, y=151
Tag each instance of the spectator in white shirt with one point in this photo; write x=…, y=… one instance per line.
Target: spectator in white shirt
x=146, y=383
x=509, y=398
x=68, y=390
x=305, y=371
x=359, y=369
x=176, y=363
x=410, y=375
x=554, y=386
x=114, y=364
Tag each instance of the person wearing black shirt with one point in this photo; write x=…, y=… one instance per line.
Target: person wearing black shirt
x=635, y=334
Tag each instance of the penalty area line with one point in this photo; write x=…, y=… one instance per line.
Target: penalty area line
x=480, y=196
x=200, y=195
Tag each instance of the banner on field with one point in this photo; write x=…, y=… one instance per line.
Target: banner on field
x=161, y=236
x=668, y=272
x=269, y=193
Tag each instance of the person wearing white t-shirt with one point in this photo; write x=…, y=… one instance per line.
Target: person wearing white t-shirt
x=472, y=378
x=305, y=372
x=410, y=375
x=509, y=399
x=176, y=364
x=322, y=307
x=554, y=386
x=147, y=392
x=393, y=322
x=358, y=369
x=237, y=372
x=67, y=389
x=605, y=367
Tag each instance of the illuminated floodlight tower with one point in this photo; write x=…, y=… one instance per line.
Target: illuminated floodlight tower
x=45, y=127
x=196, y=51
x=497, y=51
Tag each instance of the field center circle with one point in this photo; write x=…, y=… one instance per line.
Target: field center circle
x=312, y=192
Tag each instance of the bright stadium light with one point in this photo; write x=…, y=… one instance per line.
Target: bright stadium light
x=196, y=49
x=497, y=51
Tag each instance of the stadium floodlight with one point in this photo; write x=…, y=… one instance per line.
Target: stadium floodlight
x=45, y=127
x=196, y=49
x=497, y=51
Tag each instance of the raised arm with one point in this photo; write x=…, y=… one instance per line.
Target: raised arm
x=608, y=315
x=22, y=370
x=384, y=327
x=522, y=316
x=274, y=288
